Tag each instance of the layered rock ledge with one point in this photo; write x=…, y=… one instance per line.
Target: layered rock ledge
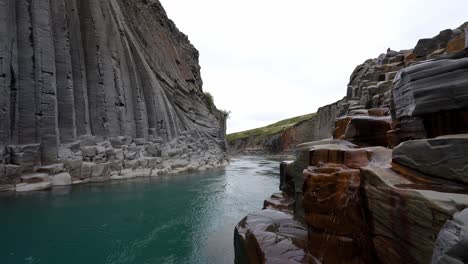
x=391, y=186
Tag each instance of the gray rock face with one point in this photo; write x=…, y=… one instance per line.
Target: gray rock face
x=88, y=88
x=70, y=69
x=452, y=241
x=444, y=157
x=431, y=87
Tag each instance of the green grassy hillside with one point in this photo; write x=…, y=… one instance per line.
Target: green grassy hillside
x=275, y=128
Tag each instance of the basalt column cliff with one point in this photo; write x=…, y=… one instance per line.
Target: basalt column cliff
x=391, y=185
x=91, y=90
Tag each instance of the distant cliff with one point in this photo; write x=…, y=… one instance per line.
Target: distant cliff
x=368, y=94
x=275, y=138
x=80, y=74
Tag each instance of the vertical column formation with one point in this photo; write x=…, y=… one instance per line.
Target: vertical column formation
x=80, y=92
x=26, y=104
x=45, y=85
x=108, y=37
x=7, y=68
x=66, y=109
x=94, y=70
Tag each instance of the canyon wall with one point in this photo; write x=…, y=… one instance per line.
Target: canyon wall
x=112, y=83
x=391, y=186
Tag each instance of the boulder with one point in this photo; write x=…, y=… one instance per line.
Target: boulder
x=270, y=236
x=100, y=172
x=279, y=201
x=452, y=242
x=26, y=156
x=427, y=46
x=74, y=168
x=444, y=157
x=7, y=188
x=456, y=44
x=87, y=169
x=368, y=131
x=62, y=179
x=431, y=87
x=408, y=213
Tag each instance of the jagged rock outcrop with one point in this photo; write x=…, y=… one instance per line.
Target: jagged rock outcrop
x=108, y=82
x=362, y=201
x=437, y=63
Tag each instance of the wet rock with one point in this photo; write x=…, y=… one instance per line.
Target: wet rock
x=89, y=152
x=270, y=236
x=279, y=201
x=444, y=157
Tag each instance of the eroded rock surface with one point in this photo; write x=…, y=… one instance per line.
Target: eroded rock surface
x=113, y=83
x=362, y=202
x=270, y=236
x=444, y=157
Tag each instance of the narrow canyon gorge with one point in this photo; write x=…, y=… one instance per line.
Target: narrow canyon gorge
x=94, y=92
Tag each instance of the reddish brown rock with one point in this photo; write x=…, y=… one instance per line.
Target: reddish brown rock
x=456, y=44
x=410, y=57
x=406, y=129
x=407, y=211
x=379, y=112
x=368, y=131
x=334, y=215
x=340, y=127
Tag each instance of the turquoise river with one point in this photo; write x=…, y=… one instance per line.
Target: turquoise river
x=187, y=218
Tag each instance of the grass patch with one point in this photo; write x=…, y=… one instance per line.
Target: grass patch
x=272, y=129
x=210, y=101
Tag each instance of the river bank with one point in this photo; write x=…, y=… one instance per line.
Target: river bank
x=183, y=218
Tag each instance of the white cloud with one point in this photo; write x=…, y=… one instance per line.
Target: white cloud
x=266, y=60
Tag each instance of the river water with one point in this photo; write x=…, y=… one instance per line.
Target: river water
x=187, y=218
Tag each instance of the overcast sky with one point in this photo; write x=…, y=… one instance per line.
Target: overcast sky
x=266, y=60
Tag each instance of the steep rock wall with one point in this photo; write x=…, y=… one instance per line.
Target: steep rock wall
x=74, y=69
x=362, y=201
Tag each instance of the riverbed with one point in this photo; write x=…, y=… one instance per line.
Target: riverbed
x=186, y=218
